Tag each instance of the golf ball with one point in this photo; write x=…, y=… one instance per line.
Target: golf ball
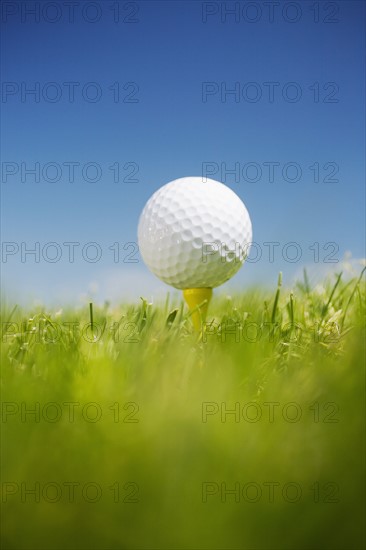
x=194, y=233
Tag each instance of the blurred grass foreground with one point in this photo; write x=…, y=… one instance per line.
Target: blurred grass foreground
x=122, y=428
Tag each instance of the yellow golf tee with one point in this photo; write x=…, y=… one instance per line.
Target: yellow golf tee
x=197, y=300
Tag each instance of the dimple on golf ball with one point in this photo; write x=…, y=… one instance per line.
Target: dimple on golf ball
x=194, y=233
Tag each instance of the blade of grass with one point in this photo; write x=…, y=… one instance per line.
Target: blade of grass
x=351, y=297
x=291, y=308
x=143, y=316
x=91, y=317
x=170, y=319
x=277, y=296
x=325, y=308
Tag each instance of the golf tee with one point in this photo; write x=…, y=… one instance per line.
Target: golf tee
x=198, y=300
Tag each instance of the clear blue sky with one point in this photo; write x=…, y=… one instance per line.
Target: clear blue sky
x=168, y=50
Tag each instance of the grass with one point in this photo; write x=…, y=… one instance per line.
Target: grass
x=141, y=427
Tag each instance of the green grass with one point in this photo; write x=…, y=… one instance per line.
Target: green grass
x=293, y=358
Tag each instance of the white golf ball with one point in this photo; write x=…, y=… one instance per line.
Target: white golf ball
x=194, y=233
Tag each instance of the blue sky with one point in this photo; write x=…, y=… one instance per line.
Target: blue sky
x=164, y=126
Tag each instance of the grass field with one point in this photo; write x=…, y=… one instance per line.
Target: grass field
x=147, y=435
